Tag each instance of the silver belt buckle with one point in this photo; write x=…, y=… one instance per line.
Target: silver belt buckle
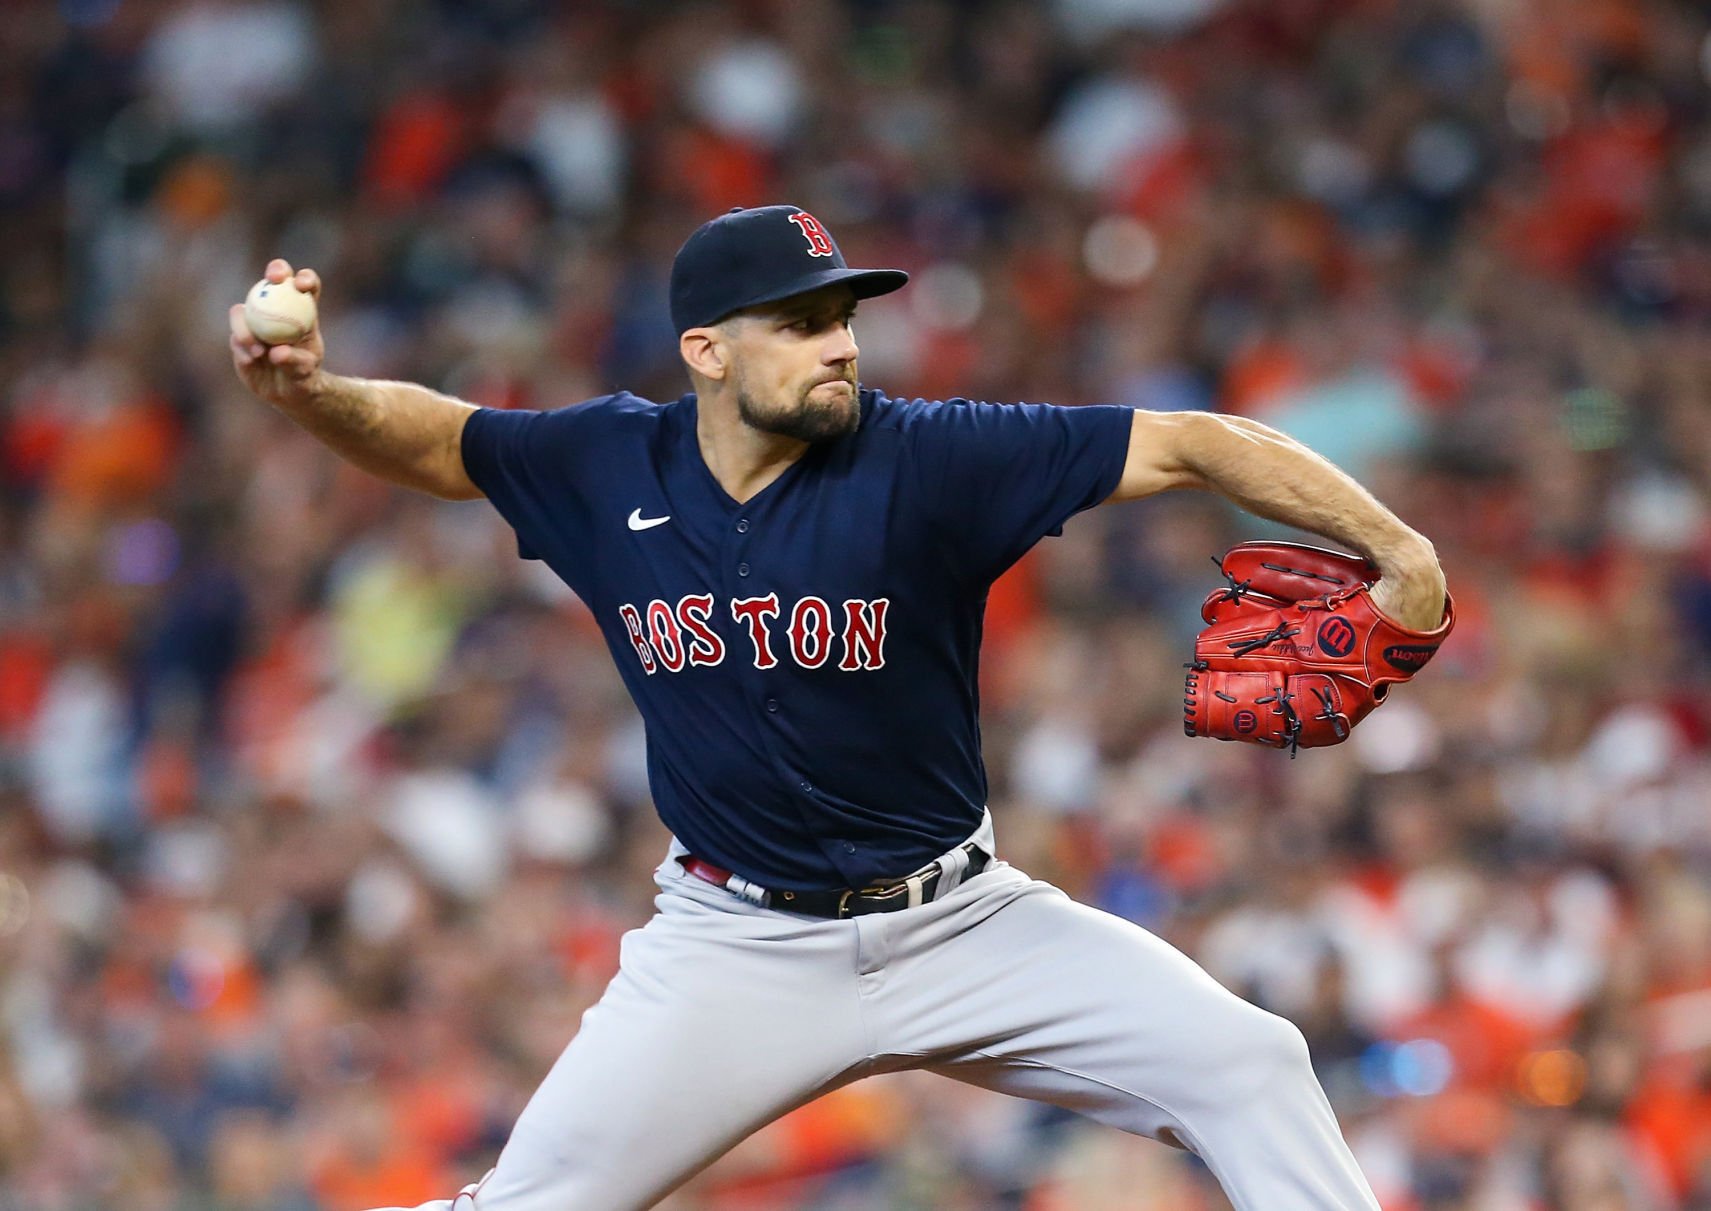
x=922, y=882
x=878, y=891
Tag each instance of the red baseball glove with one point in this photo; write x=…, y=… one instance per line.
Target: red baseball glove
x=1296, y=652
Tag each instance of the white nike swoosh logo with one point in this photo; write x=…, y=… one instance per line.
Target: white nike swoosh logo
x=638, y=522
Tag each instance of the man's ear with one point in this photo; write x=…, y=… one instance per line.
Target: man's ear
x=703, y=351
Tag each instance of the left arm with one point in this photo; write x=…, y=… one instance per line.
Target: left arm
x=1278, y=478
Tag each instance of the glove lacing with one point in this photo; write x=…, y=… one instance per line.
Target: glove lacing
x=1280, y=632
x=1278, y=567
x=1237, y=589
x=1291, y=721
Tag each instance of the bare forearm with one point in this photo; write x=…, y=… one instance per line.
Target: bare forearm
x=399, y=431
x=1276, y=477
x=402, y=432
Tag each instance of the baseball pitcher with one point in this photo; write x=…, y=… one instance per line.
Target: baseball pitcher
x=790, y=571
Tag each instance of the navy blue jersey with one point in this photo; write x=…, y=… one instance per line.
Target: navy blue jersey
x=805, y=662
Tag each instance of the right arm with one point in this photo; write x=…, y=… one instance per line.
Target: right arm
x=402, y=432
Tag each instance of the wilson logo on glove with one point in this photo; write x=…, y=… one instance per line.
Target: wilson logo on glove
x=1410, y=657
x=1250, y=682
x=1337, y=637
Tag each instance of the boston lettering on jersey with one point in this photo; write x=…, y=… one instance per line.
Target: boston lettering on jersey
x=680, y=636
x=805, y=661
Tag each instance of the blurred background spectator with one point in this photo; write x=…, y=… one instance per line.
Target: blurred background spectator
x=321, y=814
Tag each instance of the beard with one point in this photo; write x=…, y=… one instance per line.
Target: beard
x=815, y=417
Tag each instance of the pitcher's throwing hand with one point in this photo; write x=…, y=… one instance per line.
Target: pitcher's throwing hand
x=277, y=371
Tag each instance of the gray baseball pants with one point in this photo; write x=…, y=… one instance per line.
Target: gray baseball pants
x=725, y=1015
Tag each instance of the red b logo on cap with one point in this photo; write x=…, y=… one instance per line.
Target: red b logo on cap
x=819, y=243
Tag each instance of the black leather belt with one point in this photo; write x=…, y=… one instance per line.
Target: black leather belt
x=837, y=903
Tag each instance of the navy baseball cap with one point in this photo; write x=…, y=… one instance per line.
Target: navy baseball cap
x=761, y=255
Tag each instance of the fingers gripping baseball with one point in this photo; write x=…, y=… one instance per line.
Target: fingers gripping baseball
x=279, y=370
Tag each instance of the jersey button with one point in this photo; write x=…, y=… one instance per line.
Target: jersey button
x=772, y=706
x=742, y=569
x=849, y=847
x=807, y=787
x=742, y=525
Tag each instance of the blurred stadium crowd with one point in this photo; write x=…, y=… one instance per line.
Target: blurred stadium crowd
x=321, y=814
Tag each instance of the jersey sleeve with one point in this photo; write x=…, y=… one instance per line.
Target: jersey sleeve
x=520, y=460
x=1003, y=476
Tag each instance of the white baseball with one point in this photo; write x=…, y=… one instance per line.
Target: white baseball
x=278, y=313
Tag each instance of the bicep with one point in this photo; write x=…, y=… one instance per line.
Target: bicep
x=418, y=440
x=454, y=479
x=1156, y=461
x=438, y=421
